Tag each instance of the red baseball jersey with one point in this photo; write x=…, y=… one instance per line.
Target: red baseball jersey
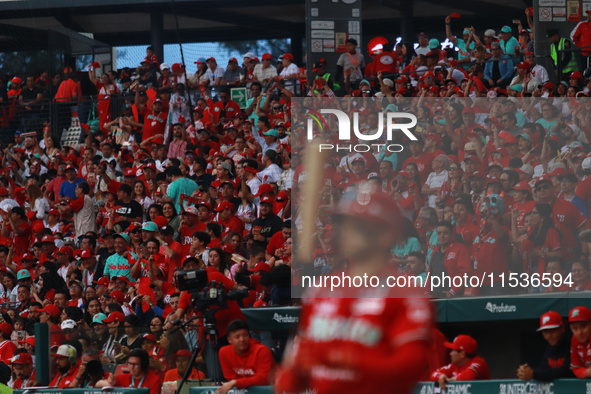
x=476, y=369
x=381, y=335
x=580, y=357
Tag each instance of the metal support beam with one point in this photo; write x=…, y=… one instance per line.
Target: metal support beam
x=406, y=21
x=156, y=33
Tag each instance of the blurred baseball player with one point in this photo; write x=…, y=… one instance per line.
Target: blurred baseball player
x=367, y=342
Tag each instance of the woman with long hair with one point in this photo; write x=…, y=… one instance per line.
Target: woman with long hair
x=154, y=210
x=170, y=213
x=542, y=240
x=157, y=327
x=49, y=283
x=451, y=188
x=235, y=240
x=139, y=194
x=172, y=341
x=51, y=150
x=217, y=258
x=37, y=201
x=92, y=308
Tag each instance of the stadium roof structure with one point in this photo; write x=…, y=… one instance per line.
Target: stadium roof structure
x=24, y=23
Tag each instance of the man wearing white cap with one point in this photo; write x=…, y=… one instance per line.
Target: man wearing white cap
x=66, y=360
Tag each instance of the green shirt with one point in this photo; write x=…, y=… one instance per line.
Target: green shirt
x=178, y=187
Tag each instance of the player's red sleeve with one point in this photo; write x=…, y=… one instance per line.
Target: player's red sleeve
x=265, y=364
x=445, y=370
x=471, y=373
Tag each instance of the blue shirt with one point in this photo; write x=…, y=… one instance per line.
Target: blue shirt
x=119, y=266
x=68, y=189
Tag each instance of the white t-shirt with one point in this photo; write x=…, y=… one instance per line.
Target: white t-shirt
x=290, y=84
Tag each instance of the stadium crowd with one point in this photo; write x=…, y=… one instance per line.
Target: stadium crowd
x=177, y=177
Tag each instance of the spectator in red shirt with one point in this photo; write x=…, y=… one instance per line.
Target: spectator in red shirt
x=7, y=347
x=139, y=376
x=580, y=276
x=422, y=159
x=449, y=258
x=245, y=362
x=465, y=363
x=67, y=366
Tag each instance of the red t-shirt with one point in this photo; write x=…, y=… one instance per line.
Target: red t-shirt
x=567, y=219
x=276, y=242
x=177, y=261
x=423, y=163
x=186, y=236
x=250, y=369
x=491, y=254
x=7, y=349
x=63, y=381
x=580, y=357
x=232, y=108
x=154, y=124
x=150, y=380
x=232, y=224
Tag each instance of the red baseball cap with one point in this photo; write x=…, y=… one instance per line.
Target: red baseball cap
x=288, y=56
x=69, y=166
x=224, y=205
x=267, y=56
x=66, y=250
x=118, y=296
x=86, y=254
x=149, y=337
x=48, y=239
x=464, y=343
x=22, y=358
x=508, y=137
x=522, y=186
x=53, y=212
x=576, y=75
x=580, y=313
x=6, y=329
x=558, y=171
x=264, y=188
x=28, y=256
x=477, y=174
x=550, y=320
x=114, y=316
x=232, y=59
x=160, y=221
x=182, y=353
x=524, y=65
x=51, y=310
x=267, y=199
x=435, y=137
x=104, y=281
